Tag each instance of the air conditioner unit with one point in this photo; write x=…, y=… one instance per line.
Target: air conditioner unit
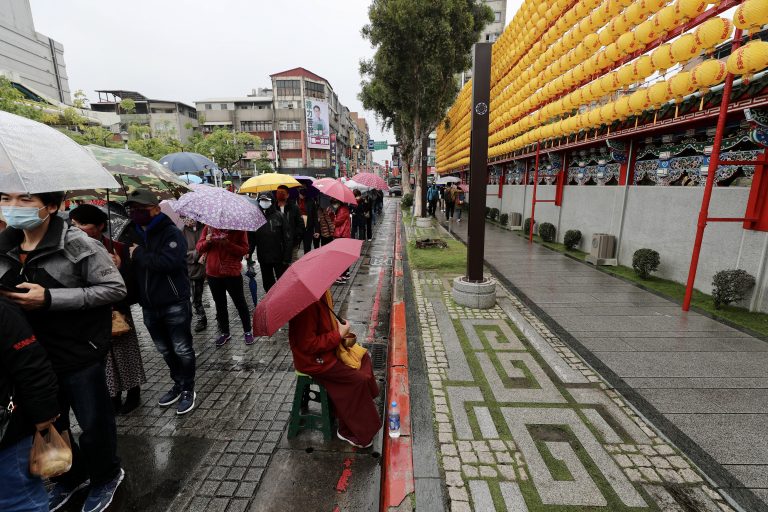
x=603, y=249
x=515, y=221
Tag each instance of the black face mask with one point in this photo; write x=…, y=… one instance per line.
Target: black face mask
x=141, y=216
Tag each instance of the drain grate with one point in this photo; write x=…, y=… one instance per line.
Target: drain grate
x=238, y=366
x=378, y=355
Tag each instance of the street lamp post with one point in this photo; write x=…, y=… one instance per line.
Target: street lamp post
x=124, y=138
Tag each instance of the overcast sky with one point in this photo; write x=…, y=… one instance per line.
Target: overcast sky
x=194, y=49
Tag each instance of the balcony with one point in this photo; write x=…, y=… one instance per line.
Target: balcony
x=290, y=144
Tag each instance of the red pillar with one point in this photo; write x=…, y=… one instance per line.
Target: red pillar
x=714, y=160
x=535, y=185
x=561, y=179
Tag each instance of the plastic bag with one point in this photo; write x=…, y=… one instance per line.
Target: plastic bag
x=51, y=454
x=120, y=324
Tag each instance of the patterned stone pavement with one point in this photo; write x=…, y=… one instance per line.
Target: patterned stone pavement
x=524, y=424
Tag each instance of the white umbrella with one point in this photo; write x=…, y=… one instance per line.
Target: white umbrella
x=447, y=179
x=355, y=185
x=35, y=158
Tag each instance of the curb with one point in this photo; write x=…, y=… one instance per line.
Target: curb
x=397, y=480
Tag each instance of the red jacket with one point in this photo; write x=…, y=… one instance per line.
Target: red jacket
x=223, y=252
x=342, y=222
x=313, y=336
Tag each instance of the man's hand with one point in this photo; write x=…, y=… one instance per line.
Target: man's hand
x=344, y=328
x=116, y=259
x=33, y=299
x=46, y=424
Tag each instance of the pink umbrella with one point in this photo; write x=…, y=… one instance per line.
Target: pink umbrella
x=371, y=180
x=464, y=187
x=304, y=283
x=166, y=207
x=335, y=189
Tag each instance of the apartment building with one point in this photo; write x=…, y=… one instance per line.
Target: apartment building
x=493, y=30
x=164, y=117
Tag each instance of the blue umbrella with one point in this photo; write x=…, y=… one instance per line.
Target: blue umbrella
x=186, y=162
x=251, y=273
x=191, y=178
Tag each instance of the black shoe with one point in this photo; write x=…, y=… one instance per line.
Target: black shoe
x=117, y=403
x=201, y=325
x=171, y=397
x=132, y=401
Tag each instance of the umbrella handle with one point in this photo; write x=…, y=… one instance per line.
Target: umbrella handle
x=333, y=312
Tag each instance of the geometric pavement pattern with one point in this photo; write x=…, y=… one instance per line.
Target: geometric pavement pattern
x=524, y=424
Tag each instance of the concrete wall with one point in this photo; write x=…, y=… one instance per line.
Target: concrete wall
x=659, y=218
x=26, y=55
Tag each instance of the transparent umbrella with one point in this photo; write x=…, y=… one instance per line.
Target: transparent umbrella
x=35, y=158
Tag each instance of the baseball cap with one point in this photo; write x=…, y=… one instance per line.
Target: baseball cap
x=142, y=196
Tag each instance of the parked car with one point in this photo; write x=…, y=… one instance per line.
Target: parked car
x=395, y=190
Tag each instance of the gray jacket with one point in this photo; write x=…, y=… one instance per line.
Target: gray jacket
x=81, y=283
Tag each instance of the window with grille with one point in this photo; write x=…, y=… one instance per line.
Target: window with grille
x=314, y=90
x=288, y=87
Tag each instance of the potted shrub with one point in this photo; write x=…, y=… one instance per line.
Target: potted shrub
x=504, y=218
x=572, y=239
x=730, y=286
x=494, y=213
x=547, y=231
x=527, y=226
x=645, y=261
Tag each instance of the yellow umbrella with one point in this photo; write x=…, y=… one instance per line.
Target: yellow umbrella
x=267, y=182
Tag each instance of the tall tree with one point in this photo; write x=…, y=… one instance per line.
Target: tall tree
x=421, y=45
x=226, y=147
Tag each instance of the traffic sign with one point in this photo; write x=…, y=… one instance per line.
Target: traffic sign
x=371, y=144
x=380, y=145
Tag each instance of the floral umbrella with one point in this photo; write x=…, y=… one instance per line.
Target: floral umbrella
x=220, y=208
x=131, y=170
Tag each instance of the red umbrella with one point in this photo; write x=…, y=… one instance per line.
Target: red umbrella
x=371, y=180
x=304, y=283
x=335, y=189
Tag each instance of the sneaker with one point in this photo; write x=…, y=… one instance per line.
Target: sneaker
x=221, y=340
x=170, y=397
x=201, y=325
x=340, y=281
x=353, y=441
x=100, y=497
x=187, y=402
x=60, y=493
x=249, y=338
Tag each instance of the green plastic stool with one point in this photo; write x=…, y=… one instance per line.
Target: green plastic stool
x=305, y=420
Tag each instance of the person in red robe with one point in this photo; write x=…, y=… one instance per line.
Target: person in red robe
x=314, y=335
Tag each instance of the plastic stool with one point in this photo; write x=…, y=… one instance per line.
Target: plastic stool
x=305, y=420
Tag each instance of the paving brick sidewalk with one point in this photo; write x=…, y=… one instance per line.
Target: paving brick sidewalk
x=700, y=382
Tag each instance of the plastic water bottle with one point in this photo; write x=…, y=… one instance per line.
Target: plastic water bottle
x=394, y=420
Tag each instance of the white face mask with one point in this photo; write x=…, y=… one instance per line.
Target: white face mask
x=265, y=204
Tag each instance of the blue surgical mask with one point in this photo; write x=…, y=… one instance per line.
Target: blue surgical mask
x=23, y=217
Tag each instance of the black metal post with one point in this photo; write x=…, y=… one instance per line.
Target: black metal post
x=424, y=158
x=478, y=160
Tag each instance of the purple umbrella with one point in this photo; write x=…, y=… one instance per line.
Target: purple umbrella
x=220, y=208
x=307, y=182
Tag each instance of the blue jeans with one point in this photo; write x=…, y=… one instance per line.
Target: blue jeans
x=20, y=491
x=94, y=455
x=171, y=330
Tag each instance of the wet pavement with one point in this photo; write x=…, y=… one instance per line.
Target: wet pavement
x=231, y=453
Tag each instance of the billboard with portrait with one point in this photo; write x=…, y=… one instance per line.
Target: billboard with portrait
x=318, y=131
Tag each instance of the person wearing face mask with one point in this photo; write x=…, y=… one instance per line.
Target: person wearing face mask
x=196, y=271
x=273, y=243
x=66, y=285
x=308, y=211
x=293, y=221
x=342, y=228
x=160, y=268
x=125, y=368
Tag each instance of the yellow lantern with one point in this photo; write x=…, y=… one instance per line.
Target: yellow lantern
x=666, y=19
x=607, y=113
x=542, y=8
x=681, y=85
x=606, y=36
x=612, y=52
x=713, y=32
x=749, y=59
x=642, y=68
x=593, y=117
x=654, y=5
x=625, y=75
x=662, y=57
x=638, y=101
x=645, y=32
x=658, y=94
x=541, y=25
x=708, y=73
x=687, y=9
x=626, y=42
x=613, y=7
x=635, y=13
x=685, y=48
x=591, y=42
x=751, y=15
x=595, y=90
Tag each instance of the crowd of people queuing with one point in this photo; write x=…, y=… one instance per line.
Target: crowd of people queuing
x=68, y=340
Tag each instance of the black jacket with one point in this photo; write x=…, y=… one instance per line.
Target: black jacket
x=25, y=373
x=81, y=282
x=160, y=264
x=313, y=226
x=274, y=240
x=294, y=223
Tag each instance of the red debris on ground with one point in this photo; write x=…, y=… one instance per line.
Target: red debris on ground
x=343, y=483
